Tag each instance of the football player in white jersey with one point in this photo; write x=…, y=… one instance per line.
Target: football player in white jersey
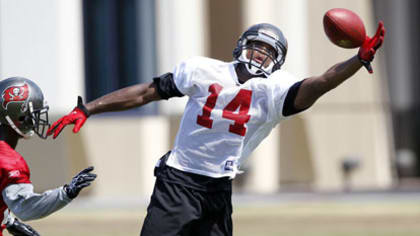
x=232, y=107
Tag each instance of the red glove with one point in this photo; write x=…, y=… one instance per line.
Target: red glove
x=368, y=49
x=77, y=117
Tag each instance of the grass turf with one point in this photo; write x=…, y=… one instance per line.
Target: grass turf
x=295, y=219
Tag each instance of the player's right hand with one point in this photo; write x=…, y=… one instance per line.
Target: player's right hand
x=80, y=181
x=18, y=228
x=77, y=117
x=368, y=49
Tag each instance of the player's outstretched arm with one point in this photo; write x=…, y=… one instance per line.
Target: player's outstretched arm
x=314, y=87
x=28, y=205
x=122, y=99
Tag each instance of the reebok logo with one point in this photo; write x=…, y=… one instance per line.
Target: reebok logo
x=14, y=173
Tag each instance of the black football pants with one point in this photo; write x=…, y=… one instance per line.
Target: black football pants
x=177, y=210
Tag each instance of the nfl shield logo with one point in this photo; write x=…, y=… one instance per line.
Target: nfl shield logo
x=229, y=165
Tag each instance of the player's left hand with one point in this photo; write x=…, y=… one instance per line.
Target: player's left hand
x=80, y=181
x=18, y=228
x=368, y=49
x=77, y=117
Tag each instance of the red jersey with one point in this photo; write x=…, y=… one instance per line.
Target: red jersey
x=13, y=170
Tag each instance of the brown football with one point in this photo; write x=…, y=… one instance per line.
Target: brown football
x=344, y=28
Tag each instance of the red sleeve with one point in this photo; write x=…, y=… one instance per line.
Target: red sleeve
x=17, y=176
x=16, y=173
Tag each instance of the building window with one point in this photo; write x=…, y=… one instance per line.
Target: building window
x=119, y=46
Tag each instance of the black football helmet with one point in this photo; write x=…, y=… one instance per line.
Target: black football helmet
x=23, y=107
x=266, y=33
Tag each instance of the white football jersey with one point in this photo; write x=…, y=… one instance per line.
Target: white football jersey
x=224, y=121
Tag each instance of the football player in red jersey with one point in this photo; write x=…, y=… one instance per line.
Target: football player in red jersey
x=23, y=112
x=232, y=107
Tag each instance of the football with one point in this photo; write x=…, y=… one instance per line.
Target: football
x=344, y=28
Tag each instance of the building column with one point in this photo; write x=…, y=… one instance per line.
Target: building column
x=264, y=169
x=262, y=166
x=47, y=47
x=178, y=38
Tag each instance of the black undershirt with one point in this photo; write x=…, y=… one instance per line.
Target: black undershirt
x=166, y=87
x=289, y=103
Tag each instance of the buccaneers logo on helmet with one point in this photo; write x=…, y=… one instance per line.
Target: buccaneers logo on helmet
x=15, y=94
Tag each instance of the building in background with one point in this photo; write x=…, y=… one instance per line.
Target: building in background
x=89, y=48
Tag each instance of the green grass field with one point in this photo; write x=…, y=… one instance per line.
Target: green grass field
x=372, y=218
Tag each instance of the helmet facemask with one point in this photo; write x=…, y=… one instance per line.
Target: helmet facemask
x=39, y=120
x=254, y=65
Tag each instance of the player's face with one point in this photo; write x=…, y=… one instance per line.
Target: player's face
x=261, y=52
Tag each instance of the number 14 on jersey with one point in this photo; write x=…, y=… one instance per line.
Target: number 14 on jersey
x=242, y=100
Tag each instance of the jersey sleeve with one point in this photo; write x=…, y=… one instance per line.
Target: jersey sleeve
x=183, y=76
x=278, y=86
x=27, y=205
x=166, y=87
x=15, y=174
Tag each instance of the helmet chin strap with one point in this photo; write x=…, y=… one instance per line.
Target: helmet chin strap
x=25, y=136
x=253, y=70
